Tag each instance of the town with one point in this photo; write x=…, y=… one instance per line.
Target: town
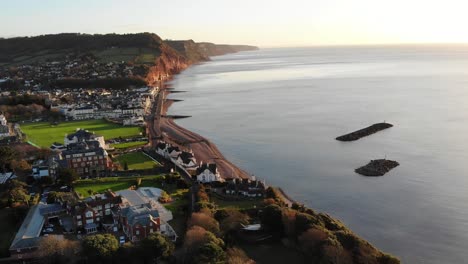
x=94, y=170
x=61, y=187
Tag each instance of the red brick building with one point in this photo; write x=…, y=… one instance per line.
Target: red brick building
x=139, y=221
x=86, y=158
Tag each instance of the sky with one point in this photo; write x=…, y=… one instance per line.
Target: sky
x=272, y=23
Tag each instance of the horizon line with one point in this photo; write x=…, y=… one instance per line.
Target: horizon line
x=267, y=46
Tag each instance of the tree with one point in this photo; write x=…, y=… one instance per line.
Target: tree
x=312, y=239
x=205, y=221
x=67, y=176
x=19, y=195
x=233, y=220
x=7, y=155
x=46, y=180
x=55, y=250
x=44, y=153
x=196, y=236
x=100, y=246
x=289, y=223
x=164, y=198
x=53, y=196
x=157, y=246
x=18, y=192
x=20, y=165
x=202, y=195
x=272, y=217
x=210, y=253
x=237, y=256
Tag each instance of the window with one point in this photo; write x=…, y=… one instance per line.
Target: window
x=89, y=214
x=89, y=221
x=137, y=232
x=97, y=219
x=79, y=223
x=78, y=217
x=151, y=230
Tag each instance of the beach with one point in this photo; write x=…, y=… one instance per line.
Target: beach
x=165, y=129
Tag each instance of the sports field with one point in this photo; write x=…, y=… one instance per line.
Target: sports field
x=44, y=134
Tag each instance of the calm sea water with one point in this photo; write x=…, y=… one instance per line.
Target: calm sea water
x=276, y=112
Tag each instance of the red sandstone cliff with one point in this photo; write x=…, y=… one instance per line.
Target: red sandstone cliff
x=166, y=65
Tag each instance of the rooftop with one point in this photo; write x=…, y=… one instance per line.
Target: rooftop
x=30, y=230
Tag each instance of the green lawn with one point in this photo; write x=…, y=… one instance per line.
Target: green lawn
x=114, y=183
x=240, y=205
x=129, y=144
x=136, y=161
x=44, y=134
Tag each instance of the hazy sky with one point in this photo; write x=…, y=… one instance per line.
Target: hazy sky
x=258, y=22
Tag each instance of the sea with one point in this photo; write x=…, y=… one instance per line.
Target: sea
x=276, y=114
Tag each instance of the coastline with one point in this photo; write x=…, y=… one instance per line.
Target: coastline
x=165, y=128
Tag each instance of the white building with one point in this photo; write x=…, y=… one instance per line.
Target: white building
x=84, y=135
x=161, y=148
x=208, y=173
x=4, y=129
x=172, y=152
x=134, y=121
x=186, y=159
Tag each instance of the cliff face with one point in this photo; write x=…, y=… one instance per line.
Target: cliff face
x=142, y=57
x=210, y=49
x=189, y=49
x=177, y=55
x=196, y=52
x=167, y=64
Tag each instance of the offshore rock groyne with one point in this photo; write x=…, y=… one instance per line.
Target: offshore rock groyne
x=364, y=132
x=377, y=167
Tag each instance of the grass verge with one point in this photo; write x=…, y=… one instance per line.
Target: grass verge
x=136, y=161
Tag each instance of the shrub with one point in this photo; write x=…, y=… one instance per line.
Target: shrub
x=205, y=221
